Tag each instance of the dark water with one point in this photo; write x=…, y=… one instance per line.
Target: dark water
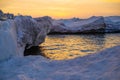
x=60, y=47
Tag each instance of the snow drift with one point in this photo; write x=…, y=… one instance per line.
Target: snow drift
x=104, y=65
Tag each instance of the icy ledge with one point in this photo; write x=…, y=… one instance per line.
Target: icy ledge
x=104, y=65
x=94, y=24
x=20, y=33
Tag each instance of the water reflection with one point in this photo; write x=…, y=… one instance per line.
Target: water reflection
x=60, y=47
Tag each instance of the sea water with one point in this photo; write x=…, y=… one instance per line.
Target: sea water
x=62, y=47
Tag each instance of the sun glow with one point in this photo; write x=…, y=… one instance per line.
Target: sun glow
x=62, y=8
x=112, y=1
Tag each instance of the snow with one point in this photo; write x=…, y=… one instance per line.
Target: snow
x=31, y=32
x=21, y=32
x=104, y=65
x=25, y=31
x=92, y=24
x=8, y=40
x=112, y=23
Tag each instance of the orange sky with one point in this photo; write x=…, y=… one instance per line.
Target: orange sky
x=62, y=8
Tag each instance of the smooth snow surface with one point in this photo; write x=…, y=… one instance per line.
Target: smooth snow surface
x=101, y=66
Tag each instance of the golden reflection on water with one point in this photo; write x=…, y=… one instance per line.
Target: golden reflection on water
x=62, y=47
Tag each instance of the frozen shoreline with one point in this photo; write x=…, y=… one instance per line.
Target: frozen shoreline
x=104, y=65
x=22, y=32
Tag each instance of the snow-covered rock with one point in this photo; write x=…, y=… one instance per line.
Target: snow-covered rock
x=104, y=65
x=93, y=24
x=9, y=16
x=31, y=32
x=1, y=13
x=21, y=33
x=45, y=22
x=112, y=23
x=5, y=16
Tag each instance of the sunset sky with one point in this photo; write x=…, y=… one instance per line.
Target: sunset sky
x=62, y=8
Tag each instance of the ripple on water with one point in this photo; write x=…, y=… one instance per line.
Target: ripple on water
x=60, y=47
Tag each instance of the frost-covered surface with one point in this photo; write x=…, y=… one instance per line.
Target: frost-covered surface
x=31, y=32
x=92, y=24
x=112, y=23
x=101, y=66
x=21, y=32
x=8, y=40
